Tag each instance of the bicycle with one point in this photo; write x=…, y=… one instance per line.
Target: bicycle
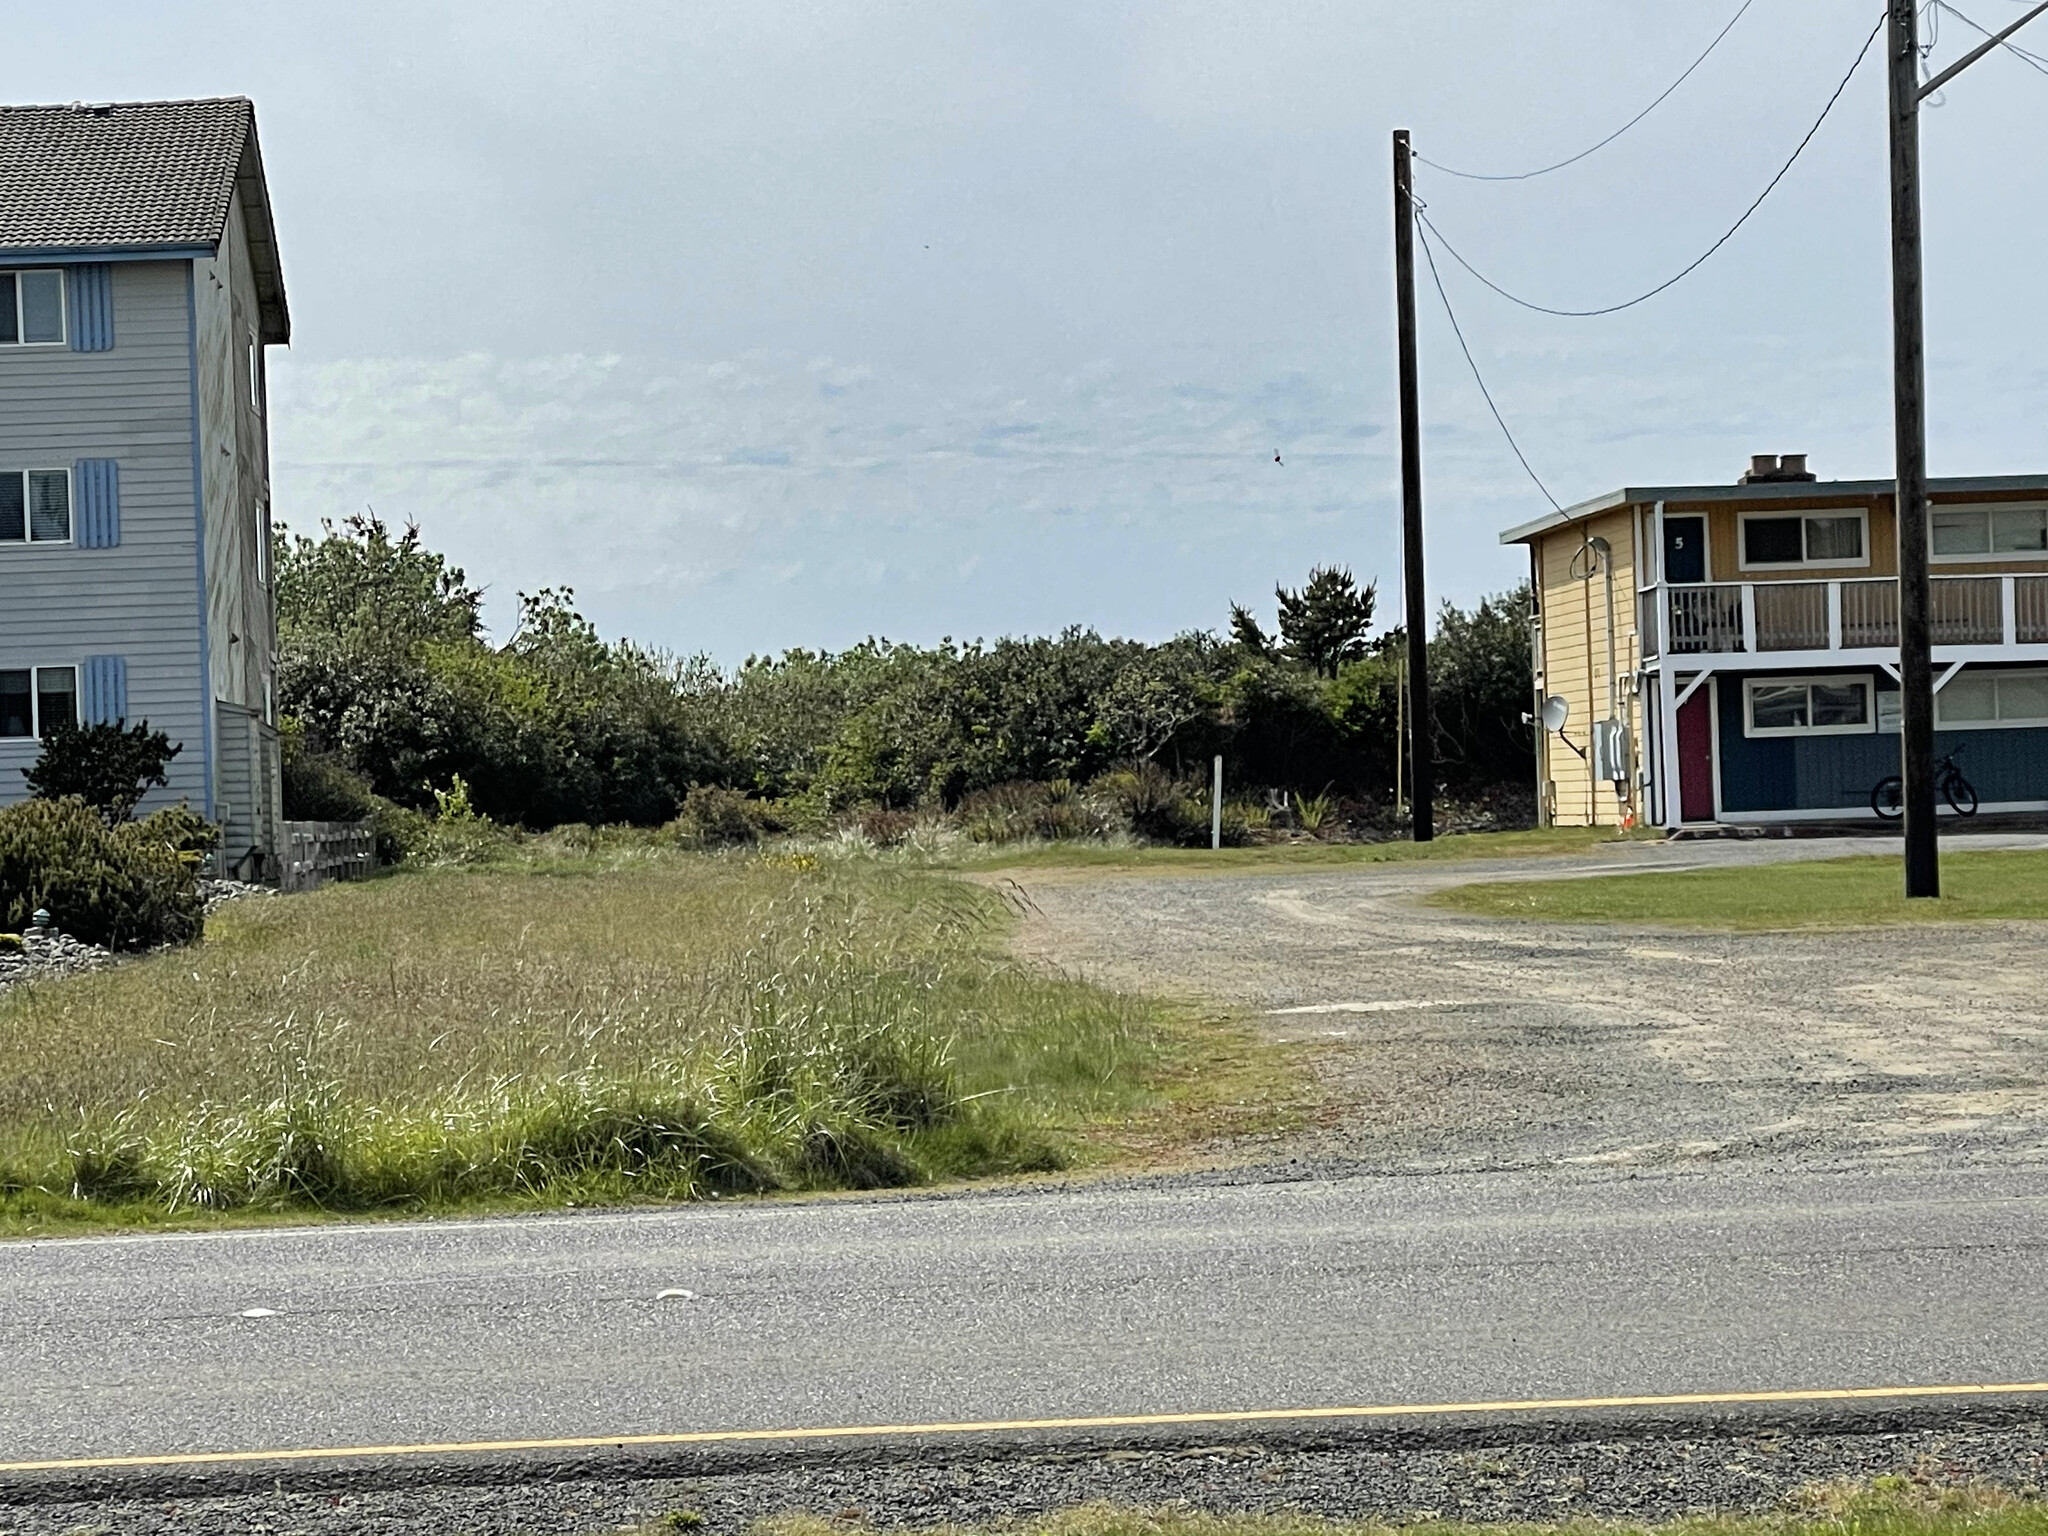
x=1888, y=799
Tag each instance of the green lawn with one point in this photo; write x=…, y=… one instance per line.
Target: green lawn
x=1830, y=893
x=628, y=1025
x=1280, y=857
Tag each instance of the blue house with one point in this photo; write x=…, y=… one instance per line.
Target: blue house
x=139, y=287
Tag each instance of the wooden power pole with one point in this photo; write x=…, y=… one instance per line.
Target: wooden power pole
x=1909, y=416
x=1909, y=392
x=1421, y=775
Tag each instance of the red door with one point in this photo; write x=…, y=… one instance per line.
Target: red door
x=1696, y=756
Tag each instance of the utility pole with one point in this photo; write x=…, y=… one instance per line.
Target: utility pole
x=1421, y=775
x=1909, y=393
x=1909, y=417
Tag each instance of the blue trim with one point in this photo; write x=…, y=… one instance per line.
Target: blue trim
x=199, y=543
x=46, y=255
x=96, y=486
x=91, y=304
x=103, y=690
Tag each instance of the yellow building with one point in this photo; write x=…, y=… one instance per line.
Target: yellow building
x=1730, y=653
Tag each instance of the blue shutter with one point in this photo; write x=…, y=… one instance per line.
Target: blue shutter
x=96, y=488
x=103, y=690
x=92, y=307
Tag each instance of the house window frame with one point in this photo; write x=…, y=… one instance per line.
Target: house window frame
x=1990, y=556
x=35, y=694
x=1861, y=680
x=28, y=540
x=63, y=307
x=1996, y=676
x=255, y=374
x=1744, y=563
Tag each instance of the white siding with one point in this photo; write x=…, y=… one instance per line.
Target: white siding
x=139, y=599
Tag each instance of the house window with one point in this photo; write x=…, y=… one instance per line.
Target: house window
x=1807, y=706
x=1981, y=700
x=1811, y=538
x=35, y=506
x=255, y=375
x=35, y=700
x=31, y=308
x=1962, y=533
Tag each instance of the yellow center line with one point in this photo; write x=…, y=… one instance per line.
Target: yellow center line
x=999, y=1426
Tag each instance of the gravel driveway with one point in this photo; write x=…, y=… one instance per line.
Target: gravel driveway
x=1443, y=1041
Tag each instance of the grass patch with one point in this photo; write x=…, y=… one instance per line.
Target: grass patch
x=1887, y=1506
x=1292, y=856
x=1829, y=893
x=622, y=1025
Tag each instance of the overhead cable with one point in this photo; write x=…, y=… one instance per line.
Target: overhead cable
x=2033, y=60
x=1458, y=331
x=1699, y=261
x=1624, y=128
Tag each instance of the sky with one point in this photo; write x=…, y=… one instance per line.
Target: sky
x=766, y=325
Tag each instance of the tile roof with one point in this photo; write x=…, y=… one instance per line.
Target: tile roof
x=127, y=174
x=128, y=177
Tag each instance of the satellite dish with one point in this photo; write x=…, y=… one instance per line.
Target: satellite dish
x=1556, y=710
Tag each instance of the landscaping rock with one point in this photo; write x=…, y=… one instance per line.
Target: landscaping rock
x=46, y=956
x=218, y=893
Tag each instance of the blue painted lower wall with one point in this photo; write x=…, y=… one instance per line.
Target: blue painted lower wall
x=1821, y=773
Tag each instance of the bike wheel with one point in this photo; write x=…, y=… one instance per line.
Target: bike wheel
x=1889, y=798
x=1960, y=794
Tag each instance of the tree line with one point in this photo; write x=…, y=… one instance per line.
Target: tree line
x=390, y=687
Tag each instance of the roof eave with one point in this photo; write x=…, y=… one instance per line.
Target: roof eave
x=253, y=192
x=14, y=255
x=1762, y=490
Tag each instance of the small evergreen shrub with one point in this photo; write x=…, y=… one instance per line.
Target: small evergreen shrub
x=125, y=887
x=109, y=767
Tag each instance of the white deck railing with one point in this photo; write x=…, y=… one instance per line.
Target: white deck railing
x=1706, y=618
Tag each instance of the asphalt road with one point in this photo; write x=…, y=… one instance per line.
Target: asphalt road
x=1150, y=1298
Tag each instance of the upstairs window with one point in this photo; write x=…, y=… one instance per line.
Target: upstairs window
x=1961, y=533
x=35, y=506
x=32, y=308
x=1809, y=538
x=36, y=700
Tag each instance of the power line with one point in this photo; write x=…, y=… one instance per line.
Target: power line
x=1624, y=128
x=1459, y=332
x=1702, y=259
x=2033, y=60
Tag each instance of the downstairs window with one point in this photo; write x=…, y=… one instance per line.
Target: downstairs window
x=1807, y=706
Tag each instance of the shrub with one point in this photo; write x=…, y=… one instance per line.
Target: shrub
x=714, y=818
x=125, y=887
x=180, y=829
x=1019, y=810
x=320, y=786
x=109, y=767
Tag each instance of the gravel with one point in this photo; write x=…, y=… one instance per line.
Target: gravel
x=1505, y=1475
x=1444, y=1042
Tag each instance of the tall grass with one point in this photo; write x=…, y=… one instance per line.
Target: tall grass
x=605, y=1025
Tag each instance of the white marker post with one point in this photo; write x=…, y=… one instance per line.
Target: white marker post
x=1216, y=807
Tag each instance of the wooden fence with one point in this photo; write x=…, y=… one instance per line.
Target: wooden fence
x=316, y=852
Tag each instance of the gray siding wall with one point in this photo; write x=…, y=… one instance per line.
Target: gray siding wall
x=235, y=470
x=140, y=599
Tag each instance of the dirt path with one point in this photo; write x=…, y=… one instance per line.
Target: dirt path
x=1444, y=1041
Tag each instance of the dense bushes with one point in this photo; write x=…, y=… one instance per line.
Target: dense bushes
x=395, y=692
x=128, y=887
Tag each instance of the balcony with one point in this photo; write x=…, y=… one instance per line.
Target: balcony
x=1758, y=617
